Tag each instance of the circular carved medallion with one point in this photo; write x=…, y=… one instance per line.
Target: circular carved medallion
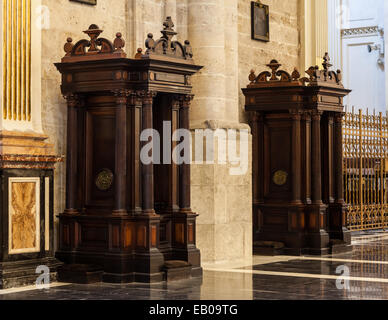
x=104, y=180
x=280, y=178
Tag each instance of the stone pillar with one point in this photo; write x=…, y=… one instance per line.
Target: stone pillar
x=170, y=9
x=209, y=85
x=314, y=31
x=223, y=201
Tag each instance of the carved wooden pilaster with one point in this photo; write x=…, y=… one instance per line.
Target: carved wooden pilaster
x=74, y=101
x=316, y=161
x=135, y=105
x=185, y=171
x=173, y=204
x=148, y=169
x=306, y=159
x=296, y=151
x=121, y=152
x=256, y=126
x=338, y=158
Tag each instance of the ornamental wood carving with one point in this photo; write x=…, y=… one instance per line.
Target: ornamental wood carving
x=165, y=46
x=281, y=78
x=95, y=48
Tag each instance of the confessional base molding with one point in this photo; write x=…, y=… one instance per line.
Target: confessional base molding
x=23, y=273
x=143, y=267
x=298, y=244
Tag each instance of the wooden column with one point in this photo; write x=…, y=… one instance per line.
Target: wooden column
x=255, y=155
x=121, y=152
x=73, y=101
x=134, y=180
x=316, y=161
x=338, y=159
x=296, y=152
x=148, y=169
x=307, y=157
x=174, y=168
x=185, y=172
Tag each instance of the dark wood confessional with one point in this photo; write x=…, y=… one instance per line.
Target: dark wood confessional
x=298, y=201
x=134, y=220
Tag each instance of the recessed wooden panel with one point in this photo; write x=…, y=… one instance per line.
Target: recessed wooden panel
x=278, y=135
x=100, y=153
x=294, y=220
x=93, y=235
x=115, y=236
x=66, y=235
x=180, y=233
x=128, y=235
x=302, y=221
x=153, y=236
x=190, y=231
x=141, y=240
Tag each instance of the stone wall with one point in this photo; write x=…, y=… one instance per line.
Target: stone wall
x=283, y=45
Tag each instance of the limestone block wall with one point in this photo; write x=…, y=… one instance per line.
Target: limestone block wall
x=284, y=45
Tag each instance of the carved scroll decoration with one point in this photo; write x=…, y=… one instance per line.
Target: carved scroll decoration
x=282, y=78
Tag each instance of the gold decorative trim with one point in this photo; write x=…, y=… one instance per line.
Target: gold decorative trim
x=17, y=60
x=47, y=213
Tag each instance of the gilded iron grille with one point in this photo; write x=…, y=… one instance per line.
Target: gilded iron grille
x=365, y=170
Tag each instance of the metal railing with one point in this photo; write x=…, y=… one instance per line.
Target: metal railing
x=365, y=139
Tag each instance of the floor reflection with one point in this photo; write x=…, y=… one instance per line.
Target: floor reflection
x=265, y=278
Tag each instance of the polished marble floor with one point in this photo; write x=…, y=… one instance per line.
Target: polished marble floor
x=363, y=275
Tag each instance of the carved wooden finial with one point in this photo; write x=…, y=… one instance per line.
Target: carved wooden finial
x=150, y=42
x=166, y=46
x=295, y=74
x=326, y=62
x=168, y=24
x=188, y=50
x=119, y=43
x=93, y=32
x=97, y=46
x=139, y=53
x=276, y=77
x=274, y=66
x=252, y=76
x=68, y=46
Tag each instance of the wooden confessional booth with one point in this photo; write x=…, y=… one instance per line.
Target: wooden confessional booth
x=298, y=202
x=126, y=220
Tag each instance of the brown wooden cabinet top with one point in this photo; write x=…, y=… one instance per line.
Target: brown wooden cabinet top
x=98, y=64
x=280, y=91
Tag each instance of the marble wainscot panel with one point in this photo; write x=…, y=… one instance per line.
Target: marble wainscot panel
x=26, y=211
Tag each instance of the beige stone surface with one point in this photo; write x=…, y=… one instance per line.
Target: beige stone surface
x=283, y=45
